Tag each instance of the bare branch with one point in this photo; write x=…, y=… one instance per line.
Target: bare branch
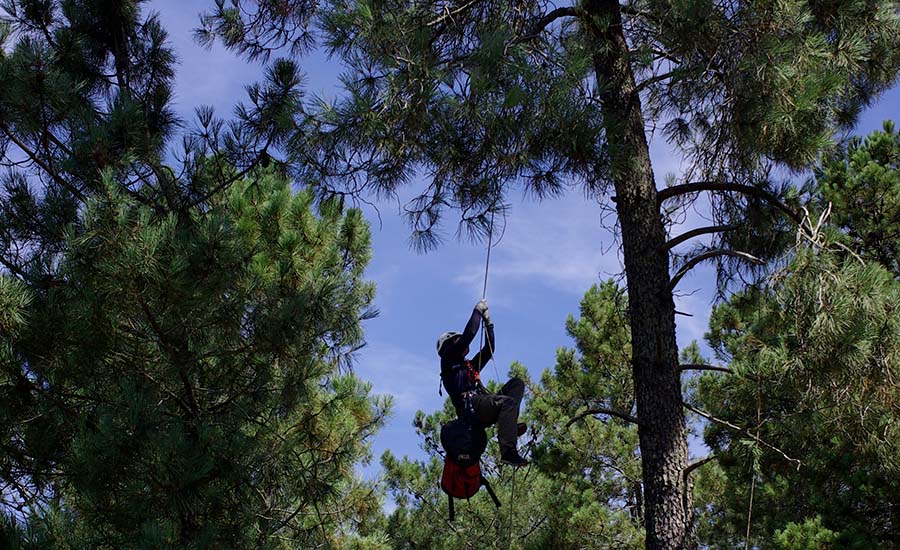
x=57, y=142
x=751, y=190
x=237, y=177
x=15, y=270
x=686, y=476
x=546, y=20
x=698, y=463
x=742, y=431
x=706, y=256
x=649, y=81
x=174, y=354
x=672, y=243
x=601, y=410
x=449, y=14
x=694, y=366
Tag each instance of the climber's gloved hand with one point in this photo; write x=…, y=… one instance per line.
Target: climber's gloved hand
x=482, y=308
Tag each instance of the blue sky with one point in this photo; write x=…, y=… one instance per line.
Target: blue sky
x=550, y=254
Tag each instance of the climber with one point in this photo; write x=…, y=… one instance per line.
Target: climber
x=462, y=378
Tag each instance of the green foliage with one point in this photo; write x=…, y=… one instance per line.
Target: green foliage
x=188, y=377
x=583, y=488
x=491, y=95
x=14, y=301
x=862, y=183
x=814, y=357
x=809, y=535
x=721, y=522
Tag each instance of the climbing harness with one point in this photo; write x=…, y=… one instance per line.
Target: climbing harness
x=463, y=375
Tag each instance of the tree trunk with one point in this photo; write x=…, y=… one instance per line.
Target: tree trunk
x=657, y=383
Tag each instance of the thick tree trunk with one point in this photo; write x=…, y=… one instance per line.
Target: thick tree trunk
x=652, y=311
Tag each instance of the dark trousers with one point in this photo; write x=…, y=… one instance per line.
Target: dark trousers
x=501, y=408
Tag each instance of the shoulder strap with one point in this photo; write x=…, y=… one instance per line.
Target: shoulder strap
x=452, y=512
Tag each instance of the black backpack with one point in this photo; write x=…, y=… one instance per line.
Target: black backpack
x=464, y=442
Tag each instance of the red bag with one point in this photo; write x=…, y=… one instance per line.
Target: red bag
x=463, y=482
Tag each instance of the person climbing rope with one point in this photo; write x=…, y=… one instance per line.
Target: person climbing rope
x=462, y=378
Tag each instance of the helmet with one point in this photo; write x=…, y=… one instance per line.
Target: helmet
x=444, y=338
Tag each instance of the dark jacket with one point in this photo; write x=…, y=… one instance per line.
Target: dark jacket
x=458, y=374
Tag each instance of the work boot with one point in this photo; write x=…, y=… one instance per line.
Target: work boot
x=513, y=459
x=521, y=429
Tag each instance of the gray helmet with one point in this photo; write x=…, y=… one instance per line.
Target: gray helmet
x=444, y=338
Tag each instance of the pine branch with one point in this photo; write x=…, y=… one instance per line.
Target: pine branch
x=700, y=231
x=534, y=528
x=686, y=188
x=686, y=475
x=173, y=354
x=40, y=162
x=181, y=402
x=33, y=156
x=647, y=82
x=240, y=175
x=692, y=263
x=15, y=270
x=742, y=431
x=694, y=366
x=601, y=410
x=57, y=142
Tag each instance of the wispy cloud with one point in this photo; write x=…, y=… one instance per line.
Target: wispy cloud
x=212, y=76
x=560, y=244
x=566, y=244
x=401, y=374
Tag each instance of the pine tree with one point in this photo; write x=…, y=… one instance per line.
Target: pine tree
x=174, y=339
x=486, y=97
x=813, y=359
x=813, y=363
x=861, y=182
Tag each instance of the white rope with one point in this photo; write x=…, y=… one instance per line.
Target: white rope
x=512, y=503
x=487, y=266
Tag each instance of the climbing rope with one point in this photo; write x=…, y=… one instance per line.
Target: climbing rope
x=487, y=262
x=487, y=266
x=512, y=502
x=753, y=466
